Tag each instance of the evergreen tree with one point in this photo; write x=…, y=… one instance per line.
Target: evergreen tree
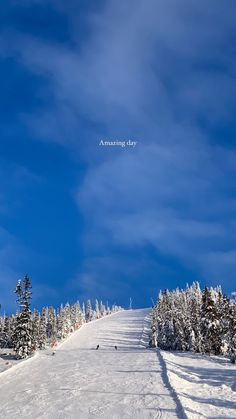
x=83, y=312
x=108, y=310
x=102, y=309
x=7, y=325
x=194, y=302
x=210, y=325
x=23, y=334
x=97, y=310
x=49, y=321
x=232, y=333
x=42, y=337
x=27, y=332
x=36, y=328
x=89, y=311
x=195, y=320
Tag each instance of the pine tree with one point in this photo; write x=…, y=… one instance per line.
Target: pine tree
x=102, y=309
x=75, y=316
x=67, y=319
x=89, y=311
x=27, y=332
x=50, y=321
x=7, y=326
x=36, y=328
x=232, y=333
x=42, y=337
x=83, y=312
x=23, y=334
x=194, y=302
x=97, y=310
x=210, y=325
x=108, y=310
x=195, y=320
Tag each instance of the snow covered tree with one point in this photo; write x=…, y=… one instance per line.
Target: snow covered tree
x=76, y=316
x=6, y=330
x=97, y=310
x=195, y=320
x=49, y=322
x=194, y=302
x=102, y=309
x=23, y=335
x=36, y=328
x=232, y=333
x=108, y=310
x=42, y=332
x=210, y=325
x=83, y=312
x=89, y=311
x=27, y=332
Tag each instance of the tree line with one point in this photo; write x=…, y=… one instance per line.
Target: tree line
x=27, y=331
x=192, y=319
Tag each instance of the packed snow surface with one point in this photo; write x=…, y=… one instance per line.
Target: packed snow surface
x=82, y=382
x=206, y=386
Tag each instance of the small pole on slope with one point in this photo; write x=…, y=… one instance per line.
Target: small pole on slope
x=130, y=303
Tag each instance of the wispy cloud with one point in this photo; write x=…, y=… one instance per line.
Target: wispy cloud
x=141, y=67
x=160, y=72
x=178, y=202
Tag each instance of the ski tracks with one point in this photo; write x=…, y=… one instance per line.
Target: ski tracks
x=164, y=373
x=127, y=383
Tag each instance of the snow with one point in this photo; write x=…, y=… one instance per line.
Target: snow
x=131, y=382
x=7, y=359
x=206, y=386
x=80, y=382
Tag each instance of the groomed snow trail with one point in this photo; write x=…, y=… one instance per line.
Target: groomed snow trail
x=81, y=382
x=206, y=386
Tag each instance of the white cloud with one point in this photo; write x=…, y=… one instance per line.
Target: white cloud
x=142, y=67
x=166, y=197
x=146, y=70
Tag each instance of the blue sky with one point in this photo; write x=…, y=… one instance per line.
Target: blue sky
x=89, y=221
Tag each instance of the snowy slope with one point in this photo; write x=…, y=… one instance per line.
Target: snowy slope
x=206, y=386
x=80, y=382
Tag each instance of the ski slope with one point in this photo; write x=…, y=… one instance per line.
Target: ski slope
x=81, y=382
x=206, y=386
x=130, y=382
